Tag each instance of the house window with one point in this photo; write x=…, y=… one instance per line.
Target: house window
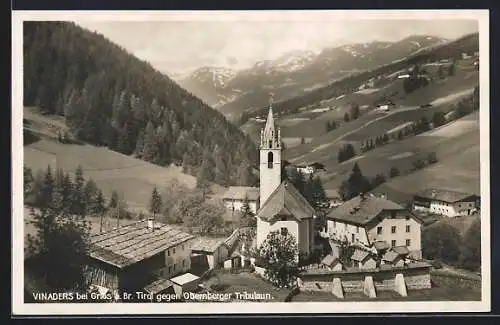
x=284, y=231
x=173, y=250
x=270, y=160
x=352, y=238
x=357, y=230
x=175, y=267
x=393, y=229
x=379, y=230
x=169, y=269
x=393, y=243
x=408, y=243
x=168, y=252
x=407, y=228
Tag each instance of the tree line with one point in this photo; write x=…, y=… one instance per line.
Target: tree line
x=58, y=191
x=110, y=98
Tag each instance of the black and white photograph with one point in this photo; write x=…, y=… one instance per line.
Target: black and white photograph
x=226, y=162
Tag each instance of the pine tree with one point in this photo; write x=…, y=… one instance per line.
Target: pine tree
x=155, y=204
x=113, y=201
x=59, y=197
x=150, y=149
x=221, y=171
x=47, y=190
x=78, y=197
x=139, y=146
x=28, y=181
x=247, y=216
x=90, y=192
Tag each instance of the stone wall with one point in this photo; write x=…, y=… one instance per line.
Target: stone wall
x=383, y=280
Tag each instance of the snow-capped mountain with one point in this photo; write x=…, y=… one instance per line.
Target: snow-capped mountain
x=294, y=72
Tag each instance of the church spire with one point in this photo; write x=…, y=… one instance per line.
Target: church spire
x=269, y=138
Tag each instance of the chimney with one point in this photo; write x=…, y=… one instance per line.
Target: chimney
x=383, y=196
x=151, y=224
x=362, y=195
x=433, y=193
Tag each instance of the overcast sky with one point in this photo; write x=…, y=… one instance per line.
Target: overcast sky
x=182, y=46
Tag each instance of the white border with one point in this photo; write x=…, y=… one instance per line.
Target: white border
x=20, y=308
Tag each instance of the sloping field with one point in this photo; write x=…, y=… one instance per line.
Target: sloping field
x=458, y=166
x=111, y=170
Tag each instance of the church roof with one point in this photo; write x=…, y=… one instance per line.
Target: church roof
x=286, y=200
x=270, y=121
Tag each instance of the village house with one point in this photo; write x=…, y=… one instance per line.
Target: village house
x=332, y=262
x=134, y=256
x=445, y=202
x=235, y=197
x=333, y=198
x=282, y=207
x=364, y=220
x=207, y=252
x=363, y=259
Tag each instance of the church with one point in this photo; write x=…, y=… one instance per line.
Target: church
x=282, y=207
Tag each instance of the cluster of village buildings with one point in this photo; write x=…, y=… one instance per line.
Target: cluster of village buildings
x=158, y=258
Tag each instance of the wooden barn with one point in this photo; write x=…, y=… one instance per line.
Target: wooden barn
x=132, y=257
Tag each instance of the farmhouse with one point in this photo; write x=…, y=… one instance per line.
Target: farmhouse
x=282, y=207
x=333, y=197
x=130, y=257
x=445, y=202
x=235, y=197
x=208, y=252
x=365, y=220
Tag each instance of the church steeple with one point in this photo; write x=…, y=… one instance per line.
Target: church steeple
x=270, y=137
x=270, y=157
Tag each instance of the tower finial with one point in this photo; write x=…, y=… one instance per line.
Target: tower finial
x=271, y=99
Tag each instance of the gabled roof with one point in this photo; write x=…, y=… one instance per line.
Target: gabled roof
x=359, y=255
x=330, y=260
x=401, y=250
x=240, y=192
x=390, y=256
x=360, y=211
x=286, y=200
x=445, y=195
x=135, y=242
x=158, y=286
x=380, y=245
x=332, y=194
x=207, y=244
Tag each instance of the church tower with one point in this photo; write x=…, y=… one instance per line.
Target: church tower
x=270, y=158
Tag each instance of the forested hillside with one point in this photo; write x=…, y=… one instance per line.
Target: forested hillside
x=110, y=98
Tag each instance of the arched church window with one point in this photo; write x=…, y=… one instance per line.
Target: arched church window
x=270, y=143
x=270, y=160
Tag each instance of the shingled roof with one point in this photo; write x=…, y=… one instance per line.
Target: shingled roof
x=240, y=192
x=360, y=211
x=286, y=200
x=445, y=195
x=207, y=244
x=135, y=242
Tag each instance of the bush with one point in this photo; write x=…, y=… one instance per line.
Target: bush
x=441, y=241
x=470, y=255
